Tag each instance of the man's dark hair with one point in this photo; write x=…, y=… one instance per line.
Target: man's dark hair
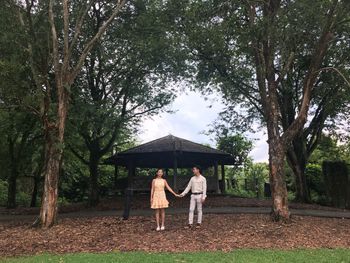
x=198, y=167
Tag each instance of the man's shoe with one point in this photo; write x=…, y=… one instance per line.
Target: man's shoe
x=198, y=225
x=189, y=226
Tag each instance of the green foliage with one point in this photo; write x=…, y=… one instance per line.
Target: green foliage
x=328, y=149
x=23, y=198
x=219, y=36
x=62, y=201
x=316, y=184
x=249, y=180
x=236, y=145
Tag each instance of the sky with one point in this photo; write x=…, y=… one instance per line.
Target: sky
x=192, y=115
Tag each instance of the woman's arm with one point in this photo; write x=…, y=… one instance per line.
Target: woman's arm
x=152, y=191
x=169, y=188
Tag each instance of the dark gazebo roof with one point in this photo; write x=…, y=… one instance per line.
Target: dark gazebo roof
x=163, y=151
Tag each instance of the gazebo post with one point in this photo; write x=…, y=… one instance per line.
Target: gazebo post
x=216, y=176
x=131, y=173
x=223, y=179
x=129, y=190
x=115, y=175
x=175, y=173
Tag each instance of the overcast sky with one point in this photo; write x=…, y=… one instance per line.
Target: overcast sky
x=192, y=116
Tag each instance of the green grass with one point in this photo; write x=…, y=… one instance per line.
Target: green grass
x=245, y=255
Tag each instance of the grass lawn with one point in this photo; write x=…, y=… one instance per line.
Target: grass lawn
x=243, y=255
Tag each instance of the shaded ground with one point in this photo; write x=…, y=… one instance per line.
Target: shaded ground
x=142, y=202
x=219, y=232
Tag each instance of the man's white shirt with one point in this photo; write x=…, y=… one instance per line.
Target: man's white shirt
x=197, y=184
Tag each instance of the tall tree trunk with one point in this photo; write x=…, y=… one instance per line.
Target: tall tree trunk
x=37, y=179
x=54, y=139
x=279, y=192
x=12, y=179
x=33, y=201
x=94, y=175
x=277, y=152
x=12, y=185
x=48, y=210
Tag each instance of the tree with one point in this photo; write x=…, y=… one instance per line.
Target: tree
x=19, y=129
x=236, y=145
x=123, y=79
x=68, y=53
x=330, y=87
x=241, y=48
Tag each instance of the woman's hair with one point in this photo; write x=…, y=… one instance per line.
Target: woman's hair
x=156, y=175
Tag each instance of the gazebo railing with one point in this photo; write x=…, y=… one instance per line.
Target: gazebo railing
x=143, y=183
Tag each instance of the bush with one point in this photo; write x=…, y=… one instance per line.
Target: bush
x=62, y=201
x=3, y=193
x=314, y=178
x=241, y=193
x=23, y=199
x=316, y=184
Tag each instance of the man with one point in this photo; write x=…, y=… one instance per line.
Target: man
x=198, y=187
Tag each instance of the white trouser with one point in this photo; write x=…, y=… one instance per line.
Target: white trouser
x=195, y=200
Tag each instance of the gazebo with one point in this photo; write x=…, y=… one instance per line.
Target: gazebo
x=171, y=152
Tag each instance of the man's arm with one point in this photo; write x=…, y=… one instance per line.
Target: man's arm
x=187, y=189
x=204, y=188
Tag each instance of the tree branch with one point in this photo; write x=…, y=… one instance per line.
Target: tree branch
x=309, y=81
x=92, y=42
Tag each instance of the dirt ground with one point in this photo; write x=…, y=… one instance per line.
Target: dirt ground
x=219, y=232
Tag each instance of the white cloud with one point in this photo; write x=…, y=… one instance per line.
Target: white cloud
x=193, y=114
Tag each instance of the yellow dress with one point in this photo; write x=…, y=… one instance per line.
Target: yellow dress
x=159, y=198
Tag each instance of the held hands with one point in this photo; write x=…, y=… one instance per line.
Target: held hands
x=177, y=195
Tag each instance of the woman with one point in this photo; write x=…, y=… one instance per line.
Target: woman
x=158, y=197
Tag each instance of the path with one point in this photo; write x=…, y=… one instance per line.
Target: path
x=207, y=210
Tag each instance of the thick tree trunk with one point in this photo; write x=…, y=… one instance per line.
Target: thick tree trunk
x=277, y=154
x=12, y=179
x=37, y=179
x=11, y=194
x=48, y=210
x=302, y=191
x=297, y=161
x=279, y=192
x=54, y=140
x=35, y=192
x=94, y=185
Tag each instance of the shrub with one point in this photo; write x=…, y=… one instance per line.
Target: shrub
x=3, y=193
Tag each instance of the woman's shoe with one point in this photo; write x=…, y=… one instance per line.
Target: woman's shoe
x=158, y=228
x=162, y=228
